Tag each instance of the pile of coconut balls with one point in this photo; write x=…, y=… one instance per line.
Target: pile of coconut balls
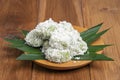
x=59, y=41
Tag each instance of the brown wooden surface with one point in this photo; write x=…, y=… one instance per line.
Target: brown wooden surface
x=25, y=14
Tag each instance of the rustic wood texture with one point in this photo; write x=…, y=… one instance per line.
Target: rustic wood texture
x=107, y=11
x=15, y=15
x=25, y=14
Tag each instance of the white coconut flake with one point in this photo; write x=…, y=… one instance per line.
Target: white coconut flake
x=59, y=41
x=33, y=38
x=77, y=58
x=46, y=28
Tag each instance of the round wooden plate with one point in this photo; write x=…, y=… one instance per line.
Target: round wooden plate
x=70, y=64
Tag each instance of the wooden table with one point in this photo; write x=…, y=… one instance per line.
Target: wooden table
x=25, y=14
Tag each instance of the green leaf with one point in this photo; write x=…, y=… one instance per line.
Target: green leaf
x=26, y=48
x=15, y=41
x=90, y=32
x=102, y=57
x=95, y=37
x=92, y=56
x=25, y=32
x=31, y=57
x=95, y=48
x=20, y=44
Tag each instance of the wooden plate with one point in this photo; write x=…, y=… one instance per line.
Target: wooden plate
x=70, y=64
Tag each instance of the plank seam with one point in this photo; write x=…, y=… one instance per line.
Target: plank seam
x=37, y=6
x=82, y=13
x=84, y=26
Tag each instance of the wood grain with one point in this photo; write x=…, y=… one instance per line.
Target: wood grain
x=14, y=15
x=107, y=11
x=25, y=14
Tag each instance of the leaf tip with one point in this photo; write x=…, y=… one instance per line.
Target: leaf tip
x=101, y=23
